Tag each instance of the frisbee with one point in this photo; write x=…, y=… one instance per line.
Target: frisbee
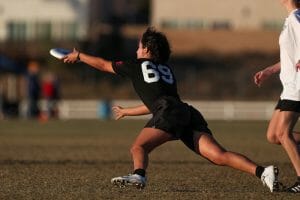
x=59, y=53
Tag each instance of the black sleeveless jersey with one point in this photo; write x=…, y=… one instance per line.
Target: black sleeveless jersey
x=150, y=80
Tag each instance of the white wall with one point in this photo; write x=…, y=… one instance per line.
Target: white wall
x=54, y=11
x=243, y=14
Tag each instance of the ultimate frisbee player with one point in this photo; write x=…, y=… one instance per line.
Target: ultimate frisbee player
x=287, y=111
x=155, y=83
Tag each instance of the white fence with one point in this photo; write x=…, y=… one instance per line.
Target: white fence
x=212, y=110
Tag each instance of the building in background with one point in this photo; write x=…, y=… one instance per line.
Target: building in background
x=43, y=19
x=216, y=14
x=111, y=29
x=107, y=16
x=74, y=19
x=129, y=11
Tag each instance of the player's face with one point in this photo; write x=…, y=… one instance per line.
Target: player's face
x=142, y=52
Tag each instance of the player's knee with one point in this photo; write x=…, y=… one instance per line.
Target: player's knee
x=272, y=138
x=137, y=148
x=282, y=136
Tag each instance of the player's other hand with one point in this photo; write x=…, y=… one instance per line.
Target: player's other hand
x=298, y=66
x=260, y=76
x=118, y=112
x=71, y=57
x=257, y=78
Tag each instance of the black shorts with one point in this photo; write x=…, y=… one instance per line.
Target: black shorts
x=288, y=105
x=178, y=119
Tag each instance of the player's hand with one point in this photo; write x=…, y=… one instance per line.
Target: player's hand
x=257, y=78
x=260, y=76
x=118, y=112
x=298, y=66
x=71, y=57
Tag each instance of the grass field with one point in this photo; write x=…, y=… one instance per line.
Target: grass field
x=77, y=159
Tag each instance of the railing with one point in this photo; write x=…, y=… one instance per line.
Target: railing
x=212, y=110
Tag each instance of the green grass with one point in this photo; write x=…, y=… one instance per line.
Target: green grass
x=76, y=160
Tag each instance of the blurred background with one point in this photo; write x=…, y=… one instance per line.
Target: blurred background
x=217, y=47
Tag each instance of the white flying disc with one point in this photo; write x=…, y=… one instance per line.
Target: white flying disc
x=59, y=53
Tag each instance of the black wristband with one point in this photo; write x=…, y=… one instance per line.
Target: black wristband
x=78, y=56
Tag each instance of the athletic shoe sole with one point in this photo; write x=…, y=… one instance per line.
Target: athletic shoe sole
x=123, y=183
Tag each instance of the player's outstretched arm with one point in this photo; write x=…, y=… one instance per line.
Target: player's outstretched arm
x=96, y=62
x=120, y=112
x=264, y=74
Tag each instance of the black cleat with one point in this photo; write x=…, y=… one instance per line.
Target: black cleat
x=295, y=188
x=276, y=183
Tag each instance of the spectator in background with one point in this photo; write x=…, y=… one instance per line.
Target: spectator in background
x=105, y=109
x=1, y=102
x=50, y=92
x=33, y=89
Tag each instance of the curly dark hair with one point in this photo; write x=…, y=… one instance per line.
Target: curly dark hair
x=157, y=44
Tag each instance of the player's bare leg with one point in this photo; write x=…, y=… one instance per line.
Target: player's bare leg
x=210, y=149
x=296, y=135
x=285, y=135
x=147, y=140
x=280, y=131
x=286, y=124
x=273, y=129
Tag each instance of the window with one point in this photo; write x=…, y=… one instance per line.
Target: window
x=71, y=31
x=221, y=25
x=169, y=24
x=194, y=24
x=189, y=24
x=272, y=25
x=16, y=31
x=42, y=30
x=21, y=31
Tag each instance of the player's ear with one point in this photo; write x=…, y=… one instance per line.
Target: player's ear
x=145, y=50
x=149, y=53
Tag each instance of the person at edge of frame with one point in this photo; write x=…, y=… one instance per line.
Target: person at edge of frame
x=286, y=113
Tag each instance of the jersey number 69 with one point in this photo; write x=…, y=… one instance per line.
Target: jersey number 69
x=153, y=73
